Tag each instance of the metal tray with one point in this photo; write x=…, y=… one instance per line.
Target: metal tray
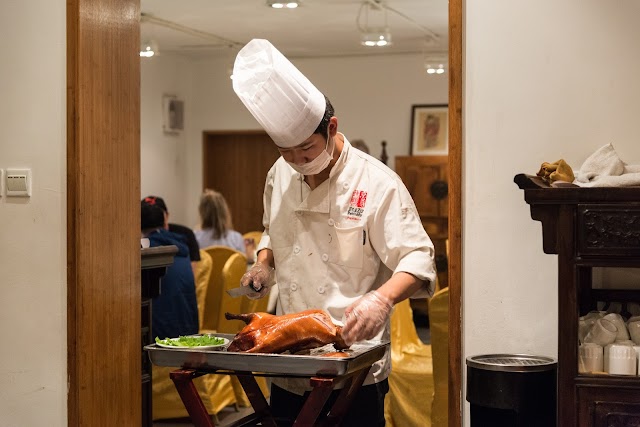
x=360, y=356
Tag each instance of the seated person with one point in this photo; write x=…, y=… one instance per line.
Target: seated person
x=217, y=227
x=175, y=310
x=186, y=232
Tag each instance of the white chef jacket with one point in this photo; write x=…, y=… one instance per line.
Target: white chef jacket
x=333, y=244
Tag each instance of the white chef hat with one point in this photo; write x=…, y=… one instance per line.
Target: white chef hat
x=280, y=97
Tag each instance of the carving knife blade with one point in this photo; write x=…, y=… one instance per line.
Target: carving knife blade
x=242, y=290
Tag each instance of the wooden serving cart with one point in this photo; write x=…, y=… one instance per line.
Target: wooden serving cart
x=325, y=374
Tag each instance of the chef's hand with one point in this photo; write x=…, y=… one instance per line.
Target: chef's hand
x=260, y=278
x=366, y=317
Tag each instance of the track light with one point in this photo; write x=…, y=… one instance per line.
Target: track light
x=434, y=68
x=435, y=62
x=148, y=49
x=283, y=4
x=380, y=37
x=373, y=36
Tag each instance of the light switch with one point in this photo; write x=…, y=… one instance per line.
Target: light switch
x=18, y=182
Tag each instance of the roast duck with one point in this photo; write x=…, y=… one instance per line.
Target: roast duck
x=266, y=333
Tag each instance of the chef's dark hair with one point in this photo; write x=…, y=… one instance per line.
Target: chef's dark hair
x=324, y=123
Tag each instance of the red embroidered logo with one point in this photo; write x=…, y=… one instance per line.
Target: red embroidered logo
x=356, y=205
x=354, y=198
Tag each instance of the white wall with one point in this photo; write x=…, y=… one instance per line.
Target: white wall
x=544, y=80
x=163, y=155
x=33, y=360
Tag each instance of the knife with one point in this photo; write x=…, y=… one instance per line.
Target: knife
x=242, y=290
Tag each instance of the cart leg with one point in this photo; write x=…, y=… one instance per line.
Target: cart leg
x=258, y=402
x=182, y=378
x=342, y=404
x=322, y=388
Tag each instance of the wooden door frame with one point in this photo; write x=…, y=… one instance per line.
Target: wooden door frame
x=88, y=240
x=103, y=213
x=455, y=211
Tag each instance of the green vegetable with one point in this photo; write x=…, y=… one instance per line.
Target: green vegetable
x=191, y=341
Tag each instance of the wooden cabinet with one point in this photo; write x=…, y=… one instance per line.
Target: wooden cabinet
x=426, y=179
x=588, y=228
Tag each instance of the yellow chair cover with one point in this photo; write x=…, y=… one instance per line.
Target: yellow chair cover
x=215, y=288
x=408, y=402
x=203, y=272
x=439, y=324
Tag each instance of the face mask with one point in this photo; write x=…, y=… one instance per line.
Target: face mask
x=318, y=164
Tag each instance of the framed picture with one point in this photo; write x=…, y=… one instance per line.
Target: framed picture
x=172, y=114
x=429, y=130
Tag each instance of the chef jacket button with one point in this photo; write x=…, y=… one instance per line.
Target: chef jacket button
x=321, y=289
x=293, y=287
x=296, y=249
x=331, y=221
x=299, y=213
x=325, y=257
x=345, y=185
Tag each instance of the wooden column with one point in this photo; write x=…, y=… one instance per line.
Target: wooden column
x=456, y=364
x=103, y=212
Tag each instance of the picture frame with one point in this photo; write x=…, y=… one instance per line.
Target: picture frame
x=172, y=114
x=429, y=130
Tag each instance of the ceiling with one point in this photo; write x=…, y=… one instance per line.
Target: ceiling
x=210, y=28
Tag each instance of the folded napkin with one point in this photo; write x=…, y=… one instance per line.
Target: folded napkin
x=605, y=169
x=557, y=171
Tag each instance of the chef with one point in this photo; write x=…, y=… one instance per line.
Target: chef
x=342, y=232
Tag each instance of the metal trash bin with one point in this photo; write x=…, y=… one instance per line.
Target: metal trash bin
x=512, y=390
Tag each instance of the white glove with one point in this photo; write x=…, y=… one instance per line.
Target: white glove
x=366, y=317
x=260, y=278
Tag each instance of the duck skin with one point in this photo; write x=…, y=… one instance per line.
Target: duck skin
x=266, y=333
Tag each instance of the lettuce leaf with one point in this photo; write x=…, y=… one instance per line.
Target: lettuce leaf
x=191, y=341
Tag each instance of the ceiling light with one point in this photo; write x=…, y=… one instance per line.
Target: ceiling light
x=377, y=38
x=373, y=36
x=434, y=68
x=283, y=4
x=148, y=49
x=435, y=62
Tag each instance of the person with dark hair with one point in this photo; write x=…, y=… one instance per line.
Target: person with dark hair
x=340, y=226
x=189, y=236
x=175, y=310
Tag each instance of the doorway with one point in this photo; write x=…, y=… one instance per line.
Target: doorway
x=88, y=392
x=236, y=164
